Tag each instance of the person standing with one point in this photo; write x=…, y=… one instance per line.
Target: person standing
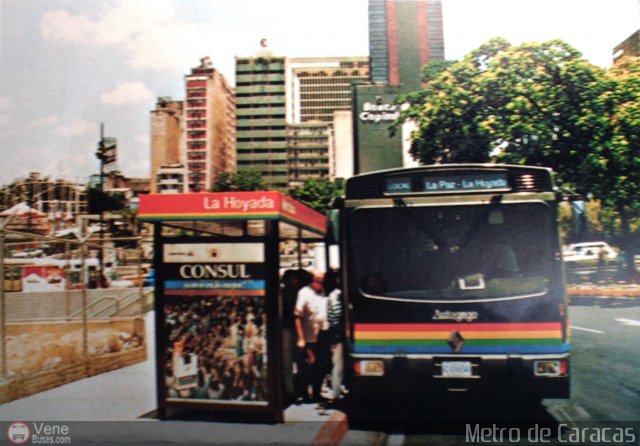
x=335, y=338
x=311, y=318
x=293, y=281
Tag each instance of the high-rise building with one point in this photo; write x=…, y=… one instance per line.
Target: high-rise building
x=261, y=116
x=285, y=112
x=308, y=152
x=403, y=37
x=318, y=90
x=209, y=114
x=319, y=86
x=167, y=145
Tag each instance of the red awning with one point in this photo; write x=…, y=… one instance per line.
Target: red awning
x=260, y=205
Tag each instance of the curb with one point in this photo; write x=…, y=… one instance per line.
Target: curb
x=332, y=431
x=608, y=292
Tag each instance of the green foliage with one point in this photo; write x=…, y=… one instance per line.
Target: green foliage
x=538, y=104
x=244, y=180
x=318, y=193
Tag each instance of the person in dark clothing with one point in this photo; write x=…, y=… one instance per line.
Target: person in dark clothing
x=293, y=281
x=335, y=333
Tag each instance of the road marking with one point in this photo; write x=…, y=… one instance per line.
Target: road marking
x=629, y=322
x=590, y=330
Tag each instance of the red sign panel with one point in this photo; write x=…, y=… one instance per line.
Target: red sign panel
x=230, y=205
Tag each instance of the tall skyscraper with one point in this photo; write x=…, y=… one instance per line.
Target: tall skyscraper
x=261, y=116
x=319, y=89
x=210, y=126
x=319, y=86
x=285, y=109
x=403, y=37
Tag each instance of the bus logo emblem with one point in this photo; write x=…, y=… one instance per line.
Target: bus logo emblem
x=455, y=341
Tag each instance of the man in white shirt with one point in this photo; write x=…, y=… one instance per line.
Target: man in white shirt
x=311, y=318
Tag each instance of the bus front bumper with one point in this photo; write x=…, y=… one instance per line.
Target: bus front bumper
x=539, y=376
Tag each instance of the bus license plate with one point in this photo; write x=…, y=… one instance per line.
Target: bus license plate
x=456, y=369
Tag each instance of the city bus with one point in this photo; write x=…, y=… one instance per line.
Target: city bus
x=453, y=281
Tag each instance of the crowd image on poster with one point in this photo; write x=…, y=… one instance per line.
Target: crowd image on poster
x=215, y=324
x=217, y=348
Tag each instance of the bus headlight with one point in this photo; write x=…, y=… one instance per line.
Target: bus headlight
x=550, y=367
x=368, y=367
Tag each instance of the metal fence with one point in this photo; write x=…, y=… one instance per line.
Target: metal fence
x=69, y=308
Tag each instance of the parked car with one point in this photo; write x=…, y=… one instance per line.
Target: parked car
x=587, y=254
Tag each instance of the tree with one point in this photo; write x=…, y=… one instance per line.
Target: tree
x=538, y=104
x=453, y=111
x=244, y=180
x=318, y=194
x=615, y=166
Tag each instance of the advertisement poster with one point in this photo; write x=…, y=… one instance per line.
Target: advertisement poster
x=215, y=323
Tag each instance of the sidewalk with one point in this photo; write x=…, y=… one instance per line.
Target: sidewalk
x=118, y=407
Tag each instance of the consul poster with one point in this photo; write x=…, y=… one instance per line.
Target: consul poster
x=215, y=323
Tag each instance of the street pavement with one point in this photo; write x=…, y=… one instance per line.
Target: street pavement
x=119, y=407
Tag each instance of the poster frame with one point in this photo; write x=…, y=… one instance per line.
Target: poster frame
x=274, y=407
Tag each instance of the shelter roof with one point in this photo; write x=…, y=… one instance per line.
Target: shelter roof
x=230, y=206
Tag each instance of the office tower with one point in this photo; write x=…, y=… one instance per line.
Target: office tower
x=261, y=117
x=210, y=126
x=167, y=151
x=308, y=153
x=403, y=37
x=319, y=89
x=319, y=86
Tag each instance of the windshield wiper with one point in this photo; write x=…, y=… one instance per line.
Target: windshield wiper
x=422, y=226
x=480, y=222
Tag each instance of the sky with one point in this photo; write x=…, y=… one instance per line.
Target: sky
x=66, y=66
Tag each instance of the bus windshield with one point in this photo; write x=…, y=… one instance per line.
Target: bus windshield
x=451, y=253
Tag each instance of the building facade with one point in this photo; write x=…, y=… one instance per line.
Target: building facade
x=630, y=47
x=319, y=86
x=403, y=37
x=209, y=116
x=167, y=145
x=261, y=117
x=308, y=152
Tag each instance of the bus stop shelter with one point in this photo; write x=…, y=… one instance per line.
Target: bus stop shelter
x=217, y=297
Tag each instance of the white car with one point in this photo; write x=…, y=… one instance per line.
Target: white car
x=588, y=253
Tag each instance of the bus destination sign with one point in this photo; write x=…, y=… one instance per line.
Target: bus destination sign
x=446, y=183
x=484, y=181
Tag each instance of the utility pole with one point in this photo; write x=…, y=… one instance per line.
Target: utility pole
x=107, y=155
x=101, y=156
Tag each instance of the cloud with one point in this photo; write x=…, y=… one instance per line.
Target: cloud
x=173, y=47
x=6, y=104
x=147, y=29
x=76, y=128
x=127, y=93
x=44, y=121
x=59, y=25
